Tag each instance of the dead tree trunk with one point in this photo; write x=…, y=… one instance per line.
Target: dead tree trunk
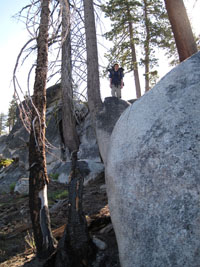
x=38, y=179
x=71, y=140
x=75, y=248
x=93, y=90
x=78, y=246
x=181, y=28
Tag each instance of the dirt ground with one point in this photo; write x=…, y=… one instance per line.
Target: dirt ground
x=16, y=238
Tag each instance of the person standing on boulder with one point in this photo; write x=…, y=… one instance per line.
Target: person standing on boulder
x=116, y=80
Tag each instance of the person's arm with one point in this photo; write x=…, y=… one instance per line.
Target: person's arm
x=122, y=75
x=110, y=82
x=122, y=83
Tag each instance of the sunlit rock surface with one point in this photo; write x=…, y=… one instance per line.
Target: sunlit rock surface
x=153, y=173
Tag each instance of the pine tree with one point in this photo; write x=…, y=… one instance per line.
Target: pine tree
x=123, y=14
x=11, y=119
x=151, y=29
x=2, y=123
x=155, y=33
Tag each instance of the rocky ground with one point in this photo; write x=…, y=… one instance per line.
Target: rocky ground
x=16, y=239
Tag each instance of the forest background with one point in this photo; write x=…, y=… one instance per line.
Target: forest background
x=38, y=178
x=14, y=35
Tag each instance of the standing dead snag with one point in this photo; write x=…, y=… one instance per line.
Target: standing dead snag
x=75, y=249
x=38, y=179
x=93, y=84
x=71, y=140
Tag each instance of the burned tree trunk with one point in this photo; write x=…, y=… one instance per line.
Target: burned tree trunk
x=75, y=248
x=38, y=179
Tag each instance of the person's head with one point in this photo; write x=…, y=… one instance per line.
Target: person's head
x=116, y=67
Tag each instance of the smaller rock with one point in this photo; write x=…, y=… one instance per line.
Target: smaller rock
x=99, y=243
x=95, y=169
x=58, y=206
x=111, y=110
x=22, y=186
x=103, y=187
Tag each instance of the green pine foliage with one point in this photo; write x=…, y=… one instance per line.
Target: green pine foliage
x=11, y=119
x=121, y=12
x=2, y=123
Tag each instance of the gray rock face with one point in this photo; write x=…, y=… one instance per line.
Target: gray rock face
x=16, y=144
x=153, y=173
x=10, y=175
x=112, y=108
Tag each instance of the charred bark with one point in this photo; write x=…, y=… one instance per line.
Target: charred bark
x=75, y=248
x=38, y=179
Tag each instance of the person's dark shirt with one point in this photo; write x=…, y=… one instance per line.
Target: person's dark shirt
x=116, y=77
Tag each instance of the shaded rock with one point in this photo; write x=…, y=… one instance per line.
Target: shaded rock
x=99, y=243
x=153, y=173
x=88, y=143
x=10, y=175
x=81, y=111
x=22, y=186
x=58, y=206
x=105, y=122
x=17, y=142
x=3, y=139
x=53, y=94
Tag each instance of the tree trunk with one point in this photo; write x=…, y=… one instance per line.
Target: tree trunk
x=181, y=28
x=38, y=179
x=133, y=55
x=146, y=48
x=71, y=140
x=93, y=90
x=76, y=247
x=134, y=60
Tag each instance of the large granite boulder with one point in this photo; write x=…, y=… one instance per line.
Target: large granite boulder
x=107, y=117
x=153, y=173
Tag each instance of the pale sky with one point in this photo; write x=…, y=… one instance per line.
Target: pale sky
x=13, y=35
